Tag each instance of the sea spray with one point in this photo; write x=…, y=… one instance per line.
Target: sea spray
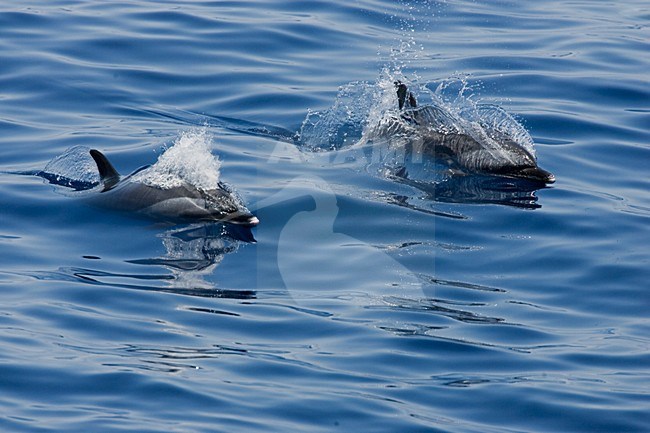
x=188, y=160
x=73, y=169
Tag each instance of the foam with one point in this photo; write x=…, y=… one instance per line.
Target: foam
x=188, y=160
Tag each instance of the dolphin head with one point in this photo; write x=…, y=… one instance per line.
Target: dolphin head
x=521, y=164
x=222, y=204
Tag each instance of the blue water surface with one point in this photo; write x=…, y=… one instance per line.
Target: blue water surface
x=367, y=303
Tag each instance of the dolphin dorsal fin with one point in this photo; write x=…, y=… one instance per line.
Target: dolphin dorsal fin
x=107, y=173
x=404, y=97
x=401, y=93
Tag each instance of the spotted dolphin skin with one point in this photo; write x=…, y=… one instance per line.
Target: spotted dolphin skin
x=497, y=154
x=179, y=203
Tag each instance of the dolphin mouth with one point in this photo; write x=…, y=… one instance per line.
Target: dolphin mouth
x=534, y=173
x=253, y=220
x=245, y=219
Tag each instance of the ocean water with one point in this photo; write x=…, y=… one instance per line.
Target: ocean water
x=367, y=302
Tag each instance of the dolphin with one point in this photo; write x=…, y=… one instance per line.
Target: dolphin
x=179, y=203
x=437, y=133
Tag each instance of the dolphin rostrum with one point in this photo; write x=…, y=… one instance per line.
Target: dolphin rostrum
x=472, y=147
x=184, y=202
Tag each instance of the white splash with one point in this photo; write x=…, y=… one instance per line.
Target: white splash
x=74, y=166
x=188, y=160
x=342, y=124
x=362, y=109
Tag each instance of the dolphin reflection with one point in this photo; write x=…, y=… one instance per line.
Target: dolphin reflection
x=192, y=255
